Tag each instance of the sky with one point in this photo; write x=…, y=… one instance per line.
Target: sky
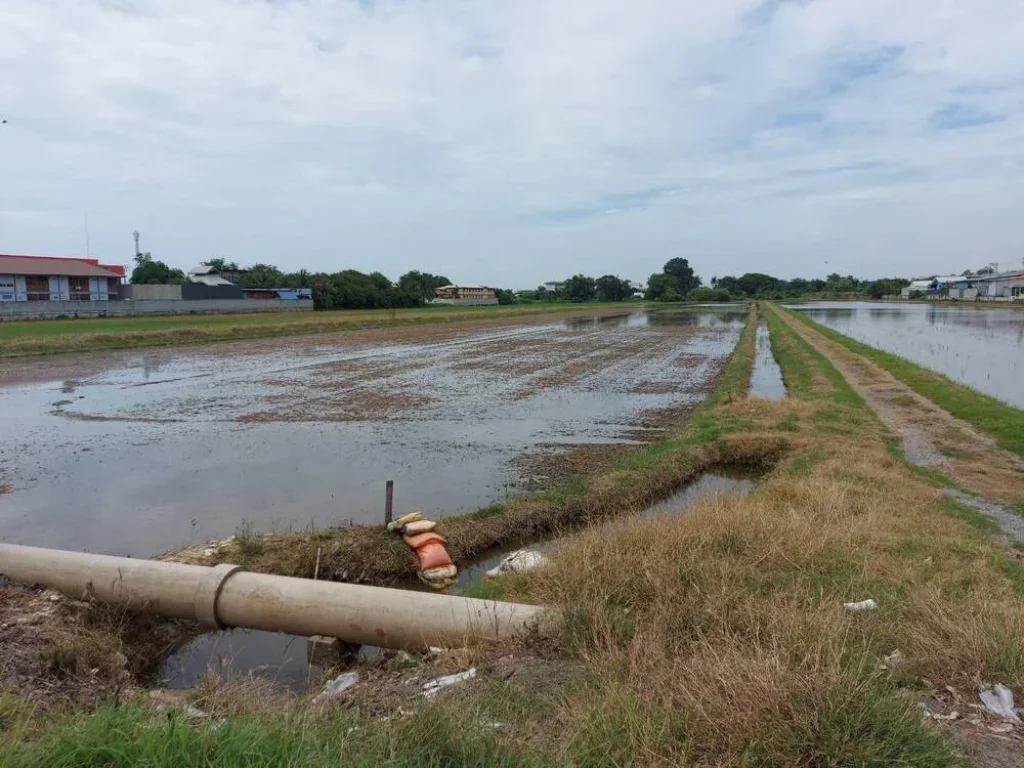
x=512, y=143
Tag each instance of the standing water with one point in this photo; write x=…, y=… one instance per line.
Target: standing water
x=766, y=380
x=982, y=348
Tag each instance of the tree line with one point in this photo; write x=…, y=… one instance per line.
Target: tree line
x=347, y=289
x=351, y=289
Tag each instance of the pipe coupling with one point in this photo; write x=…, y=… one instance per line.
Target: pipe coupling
x=209, y=591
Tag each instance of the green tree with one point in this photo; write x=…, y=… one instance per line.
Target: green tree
x=150, y=271
x=701, y=294
x=262, y=276
x=506, y=296
x=422, y=284
x=682, y=275
x=661, y=287
x=836, y=283
x=580, y=288
x=221, y=265
x=612, y=288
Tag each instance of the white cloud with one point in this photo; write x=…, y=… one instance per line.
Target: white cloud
x=489, y=140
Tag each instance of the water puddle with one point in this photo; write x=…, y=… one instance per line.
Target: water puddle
x=766, y=379
x=243, y=654
x=240, y=654
x=708, y=484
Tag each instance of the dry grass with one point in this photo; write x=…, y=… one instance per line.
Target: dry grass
x=721, y=636
x=56, y=651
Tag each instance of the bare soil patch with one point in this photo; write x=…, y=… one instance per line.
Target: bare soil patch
x=554, y=464
x=360, y=405
x=54, y=650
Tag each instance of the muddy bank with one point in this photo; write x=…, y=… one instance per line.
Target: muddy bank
x=55, y=650
x=136, y=453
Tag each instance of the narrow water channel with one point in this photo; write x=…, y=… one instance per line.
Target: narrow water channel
x=238, y=654
x=766, y=379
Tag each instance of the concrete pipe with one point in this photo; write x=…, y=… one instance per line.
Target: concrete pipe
x=227, y=596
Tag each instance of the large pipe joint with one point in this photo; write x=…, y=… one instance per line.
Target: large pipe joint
x=208, y=592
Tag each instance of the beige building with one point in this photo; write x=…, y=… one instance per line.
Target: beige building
x=475, y=292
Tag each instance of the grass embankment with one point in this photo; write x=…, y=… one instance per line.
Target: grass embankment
x=987, y=414
x=40, y=337
x=714, y=638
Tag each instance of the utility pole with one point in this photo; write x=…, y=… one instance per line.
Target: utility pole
x=135, y=234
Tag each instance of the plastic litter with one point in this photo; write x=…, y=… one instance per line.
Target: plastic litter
x=411, y=517
x=432, y=687
x=999, y=701
x=520, y=561
x=418, y=526
x=341, y=683
x=861, y=605
x=894, y=660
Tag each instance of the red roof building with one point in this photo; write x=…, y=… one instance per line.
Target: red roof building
x=56, y=278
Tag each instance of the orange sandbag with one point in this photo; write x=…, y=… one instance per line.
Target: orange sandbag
x=417, y=541
x=430, y=550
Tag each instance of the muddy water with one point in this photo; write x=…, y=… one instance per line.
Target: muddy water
x=242, y=653
x=766, y=378
x=141, y=452
x=982, y=348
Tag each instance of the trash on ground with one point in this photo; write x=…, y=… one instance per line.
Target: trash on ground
x=520, y=561
x=861, y=605
x=894, y=660
x=339, y=684
x=935, y=716
x=999, y=701
x=194, y=712
x=412, y=517
x=431, y=688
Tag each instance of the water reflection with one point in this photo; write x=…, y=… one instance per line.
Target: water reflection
x=982, y=348
x=766, y=379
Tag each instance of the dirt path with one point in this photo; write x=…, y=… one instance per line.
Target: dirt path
x=932, y=437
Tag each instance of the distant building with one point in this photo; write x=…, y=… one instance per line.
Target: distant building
x=207, y=275
x=554, y=285
x=465, y=292
x=1002, y=285
x=57, y=278
x=288, y=294
x=466, y=295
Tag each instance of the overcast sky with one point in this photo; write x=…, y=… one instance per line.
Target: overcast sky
x=514, y=142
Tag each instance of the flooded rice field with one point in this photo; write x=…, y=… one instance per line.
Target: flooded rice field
x=139, y=452
x=982, y=348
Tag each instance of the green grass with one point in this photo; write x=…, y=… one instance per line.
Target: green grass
x=132, y=737
x=971, y=516
x=989, y=415
x=34, y=337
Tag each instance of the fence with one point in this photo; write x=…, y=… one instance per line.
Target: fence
x=29, y=310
